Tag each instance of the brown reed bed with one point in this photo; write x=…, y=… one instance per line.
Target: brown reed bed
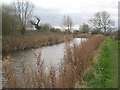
x=77, y=59
x=32, y=39
x=85, y=35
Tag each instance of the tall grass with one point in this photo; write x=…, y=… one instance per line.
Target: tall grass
x=33, y=39
x=75, y=62
x=85, y=35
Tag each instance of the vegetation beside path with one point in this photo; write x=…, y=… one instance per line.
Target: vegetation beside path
x=104, y=72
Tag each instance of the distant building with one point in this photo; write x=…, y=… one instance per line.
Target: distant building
x=30, y=29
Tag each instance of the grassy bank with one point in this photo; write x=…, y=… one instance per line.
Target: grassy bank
x=104, y=72
x=33, y=39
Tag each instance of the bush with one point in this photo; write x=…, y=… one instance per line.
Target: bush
x=116, y=35
x=76, y=32
x=67, y=32
x=96, y=31
x=84, y=28
x=10, y=20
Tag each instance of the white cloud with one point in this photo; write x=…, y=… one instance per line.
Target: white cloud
x=79, y=10
x=84, y=7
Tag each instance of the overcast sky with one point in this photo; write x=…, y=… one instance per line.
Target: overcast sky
x=52, y=11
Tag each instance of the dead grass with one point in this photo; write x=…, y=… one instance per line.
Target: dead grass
x=32, y=39
x=77, y=59
x=85, y=35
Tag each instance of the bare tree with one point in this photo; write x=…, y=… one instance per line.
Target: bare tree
x=67, y=23
x=102, y=21
x=23, y=9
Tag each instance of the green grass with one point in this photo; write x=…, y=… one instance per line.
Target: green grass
x=104, y=72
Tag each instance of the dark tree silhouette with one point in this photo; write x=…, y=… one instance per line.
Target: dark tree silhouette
x=36, y=24
x=102, y=20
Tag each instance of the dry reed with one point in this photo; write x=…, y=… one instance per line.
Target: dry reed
x=33, y=40
x=77, y=59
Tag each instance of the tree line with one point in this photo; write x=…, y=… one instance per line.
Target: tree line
x=17, y=16
x=101, y=23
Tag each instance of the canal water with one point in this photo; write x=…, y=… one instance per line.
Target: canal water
x=51, y=55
